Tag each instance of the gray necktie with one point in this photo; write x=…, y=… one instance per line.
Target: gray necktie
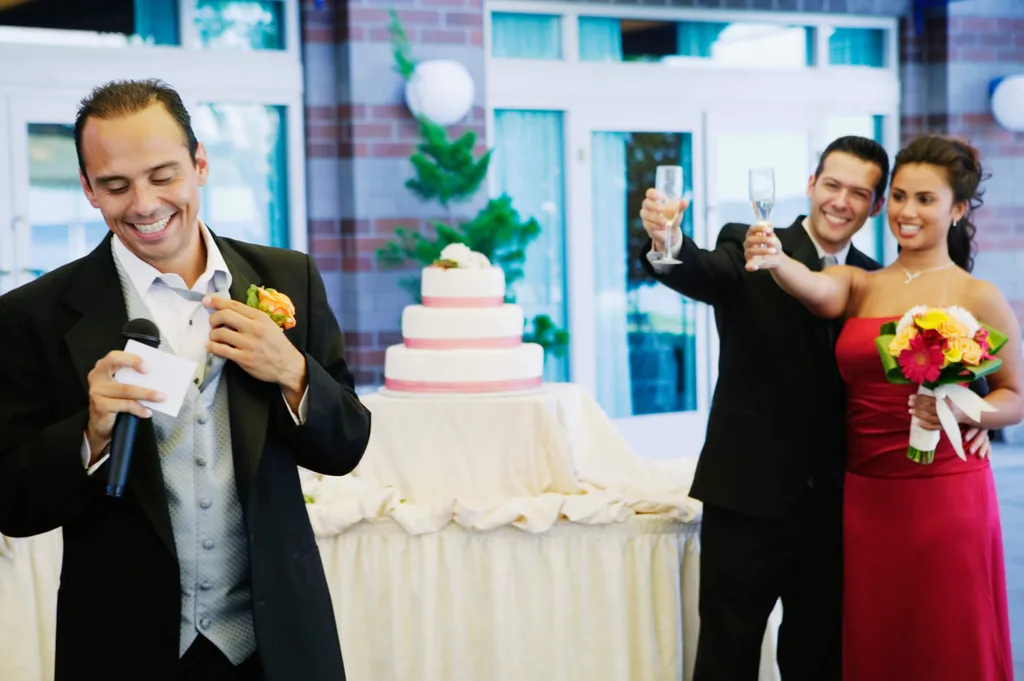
x=828, y=261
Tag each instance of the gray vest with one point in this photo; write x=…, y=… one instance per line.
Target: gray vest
x=206, y=514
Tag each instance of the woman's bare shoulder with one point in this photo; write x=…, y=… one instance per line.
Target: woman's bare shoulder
x=984, y=298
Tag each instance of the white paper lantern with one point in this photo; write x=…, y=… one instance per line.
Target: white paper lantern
x=1008, y=103
x=441, y=90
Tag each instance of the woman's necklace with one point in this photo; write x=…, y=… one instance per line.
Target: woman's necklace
x=911, y=276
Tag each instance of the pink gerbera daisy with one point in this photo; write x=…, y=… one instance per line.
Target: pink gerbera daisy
x=922, y=361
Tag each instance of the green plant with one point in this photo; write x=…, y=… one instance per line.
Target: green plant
x=448, y=171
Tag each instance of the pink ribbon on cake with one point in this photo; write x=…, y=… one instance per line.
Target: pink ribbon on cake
x=463, y=386
x=444, y=301
x=463, y=343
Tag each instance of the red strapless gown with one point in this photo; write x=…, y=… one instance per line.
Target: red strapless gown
x=924, y=595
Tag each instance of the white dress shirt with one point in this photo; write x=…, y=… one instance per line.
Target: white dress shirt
x=840, y=255
x=184, y=323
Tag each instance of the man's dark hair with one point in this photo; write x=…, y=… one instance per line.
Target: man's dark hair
x=125, y=97
x=866, y=150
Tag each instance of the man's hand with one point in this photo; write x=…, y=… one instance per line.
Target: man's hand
x=250, y=338
x=108, y=398
x=655, y=214
x=762, y=249
x=977, y=442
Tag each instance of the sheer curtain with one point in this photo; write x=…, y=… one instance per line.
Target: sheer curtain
x=157, y=21
x=528, y=166
x=526, y=36
x=600, y=39
x=857, y=47
x=696, y=38
x=614, y=390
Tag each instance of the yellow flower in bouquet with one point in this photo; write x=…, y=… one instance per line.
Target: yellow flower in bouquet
x=965, y=350
x=901, y=341
x=274, y=303
x=952, y=330
x=932, y=318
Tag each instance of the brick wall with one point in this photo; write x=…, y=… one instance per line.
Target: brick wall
x=946, y=77
x=359, y=136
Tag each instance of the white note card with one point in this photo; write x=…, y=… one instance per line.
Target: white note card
x=165, y=372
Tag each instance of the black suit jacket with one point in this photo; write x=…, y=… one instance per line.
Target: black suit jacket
x=120, y=598
x=778, y=414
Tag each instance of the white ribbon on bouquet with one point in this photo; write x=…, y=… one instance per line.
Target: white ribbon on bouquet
x=968, y=402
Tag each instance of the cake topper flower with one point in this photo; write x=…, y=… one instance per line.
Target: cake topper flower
x=274, y=303
x=460, y=255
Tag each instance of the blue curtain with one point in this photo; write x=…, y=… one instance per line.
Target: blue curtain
x=528, y=164
x=696, y=38
x=611, y=309
x=526, y=36
x=857, y=47
x=157, y=21
x=600, y=39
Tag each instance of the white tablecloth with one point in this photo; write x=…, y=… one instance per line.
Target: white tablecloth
x=486, y=462
x=544, y=548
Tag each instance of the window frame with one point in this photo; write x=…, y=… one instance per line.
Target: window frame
x=263, y=77
x=571, y=12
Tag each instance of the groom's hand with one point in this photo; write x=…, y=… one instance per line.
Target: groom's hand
x=252, y=340
x=978, y=443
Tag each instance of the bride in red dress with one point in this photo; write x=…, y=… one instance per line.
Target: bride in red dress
x=924, y=594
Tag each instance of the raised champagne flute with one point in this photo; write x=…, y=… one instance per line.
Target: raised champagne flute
x=668, y=180
x=762, y=197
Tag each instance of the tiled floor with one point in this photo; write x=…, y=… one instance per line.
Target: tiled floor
x=1008, y=465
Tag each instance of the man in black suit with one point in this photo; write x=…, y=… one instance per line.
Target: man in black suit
x=772, y=521
x=207, y=568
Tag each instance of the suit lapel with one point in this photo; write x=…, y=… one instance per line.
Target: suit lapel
x=797, y=244
x=97, y=295
x=248, y=398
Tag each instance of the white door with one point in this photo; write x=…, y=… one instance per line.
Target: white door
x=50, y=221
x=639, y=347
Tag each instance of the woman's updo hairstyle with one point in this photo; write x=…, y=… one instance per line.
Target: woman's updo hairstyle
x=962, y=164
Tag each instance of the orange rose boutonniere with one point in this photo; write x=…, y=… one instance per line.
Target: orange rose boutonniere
x=274, y=303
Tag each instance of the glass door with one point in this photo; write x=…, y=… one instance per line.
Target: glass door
x=639, y=347
x=51, y=221
x=736, y=142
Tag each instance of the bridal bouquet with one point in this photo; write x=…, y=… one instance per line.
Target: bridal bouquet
x=939, y=349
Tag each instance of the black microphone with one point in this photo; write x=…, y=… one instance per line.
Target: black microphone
x=123, y=441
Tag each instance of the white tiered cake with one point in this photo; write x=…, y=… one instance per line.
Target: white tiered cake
x=463, y=338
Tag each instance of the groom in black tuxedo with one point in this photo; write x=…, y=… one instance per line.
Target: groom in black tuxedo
x=207, y=568
x=772, y=522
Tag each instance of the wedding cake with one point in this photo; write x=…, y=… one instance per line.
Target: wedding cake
x=464, y=337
